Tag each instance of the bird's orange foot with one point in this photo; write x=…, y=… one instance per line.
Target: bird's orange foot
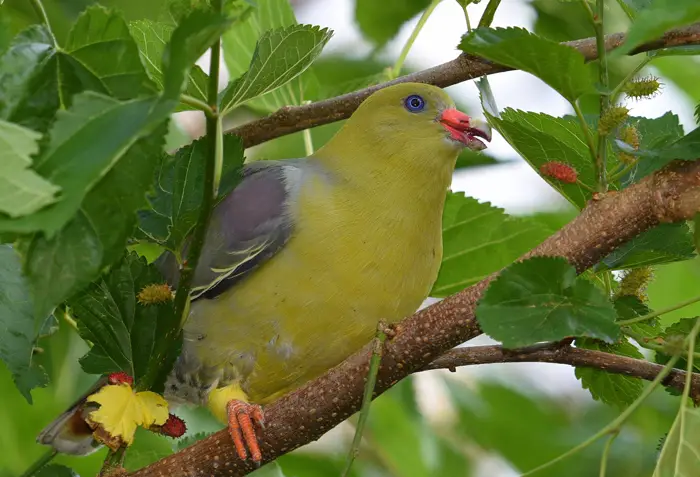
x=243, y=419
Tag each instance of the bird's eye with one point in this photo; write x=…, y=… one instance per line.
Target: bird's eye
x=414, y=103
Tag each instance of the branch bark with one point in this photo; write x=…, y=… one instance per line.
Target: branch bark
x=670, y=195
x=612, y=363
x=292, y=119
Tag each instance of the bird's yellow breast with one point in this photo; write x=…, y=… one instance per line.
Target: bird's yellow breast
x=355, y=258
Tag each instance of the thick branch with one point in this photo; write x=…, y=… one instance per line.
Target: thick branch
x=611, y=363
x=292, y=119
x=670, y=195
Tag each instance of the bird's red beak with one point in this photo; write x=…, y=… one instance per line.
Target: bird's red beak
x=464, y=129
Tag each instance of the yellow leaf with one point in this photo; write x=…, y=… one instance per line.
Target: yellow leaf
x=121, y=410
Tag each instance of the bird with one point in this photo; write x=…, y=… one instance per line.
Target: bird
x=305, y=257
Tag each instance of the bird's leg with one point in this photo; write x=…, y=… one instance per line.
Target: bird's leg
x=243, y=419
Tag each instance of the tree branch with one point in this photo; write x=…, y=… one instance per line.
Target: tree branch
x=670, y=195
x=612, y=363
x=292, y=119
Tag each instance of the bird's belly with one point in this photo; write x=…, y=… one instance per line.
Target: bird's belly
x=312, y=306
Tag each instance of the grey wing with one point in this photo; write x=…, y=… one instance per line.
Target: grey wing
x=247, y=227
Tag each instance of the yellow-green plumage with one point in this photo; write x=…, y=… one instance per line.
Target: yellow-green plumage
x=366, y=247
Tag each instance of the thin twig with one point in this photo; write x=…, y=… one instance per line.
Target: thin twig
x=489, y=12
x=213, y=131
x=396, y=70
x=663, y=311
x=578, y=357
x=40, y=463
x=465, y=67
x=606, y=453
x=377, y=347
x=197, y=104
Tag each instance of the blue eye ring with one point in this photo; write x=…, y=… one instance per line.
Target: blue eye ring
x=414, y=103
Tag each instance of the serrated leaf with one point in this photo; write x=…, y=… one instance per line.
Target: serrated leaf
x=191, y=439
x=655, y=19
x=479, y=239
x=676, y=334
x=280, y=56
x=75, y=161
x=628, y=307
x=561, y=67
x=124, y=331
x=613, y=389
x=152, y=37
x=94, y=238
x=178, y=190
x=238, y=45
x=541, y=299
x=22, y=191
x=540, y=138
x=188, y=42
x=56, y=470
x=680, y=455
x=655, y=134
x=664, y=243
x=18, y=328
x=100, y=41
x=381, y=21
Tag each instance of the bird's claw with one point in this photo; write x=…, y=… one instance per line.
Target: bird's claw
x=243, y=419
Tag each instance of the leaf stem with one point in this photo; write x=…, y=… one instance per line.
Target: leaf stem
x=606, y=453
x=41, y=12
x=601, y=159
x=619, y=174
x=627, y=9
x=113, y=461
x=213, y=131
x=308, y=141
x=654, y=314
x=688, y=383
x=197, y=104
x=616, y=424
x=40, y=463
x=379, y=339
x=396, y=70
x=489, y=12
x=586, y=130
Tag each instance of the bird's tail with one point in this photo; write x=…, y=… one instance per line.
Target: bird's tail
x=69, y=432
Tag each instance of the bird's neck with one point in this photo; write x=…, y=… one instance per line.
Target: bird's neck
x=390, y=171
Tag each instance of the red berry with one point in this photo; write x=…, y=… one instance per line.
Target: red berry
x=173, y=427
x=559, y=171
x=120, y=378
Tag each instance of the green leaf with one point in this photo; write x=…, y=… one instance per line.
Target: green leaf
x=280, y=56
x=656, y=18
x=179, y=187
x=628, y=307
x=100, y=41
x=680, y=456
x=541, y=299
x=381, y=21
x=561, y=67
x=540, y=138
x=675, y=335
x=188, y=42
x=612, y=389
x=22, y=191
x=122, y=329
x=479, y=239
x=152, y=38
x=656, y=135
x=19, y=328
x=75, y=161
x=664, y=243
x=238, y=45
x=56, y=470
x=60, y=265
x=147, y=448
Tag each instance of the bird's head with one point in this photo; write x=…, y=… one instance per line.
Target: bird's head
x=416, y=112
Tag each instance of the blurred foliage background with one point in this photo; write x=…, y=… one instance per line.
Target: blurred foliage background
x=477, y=422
